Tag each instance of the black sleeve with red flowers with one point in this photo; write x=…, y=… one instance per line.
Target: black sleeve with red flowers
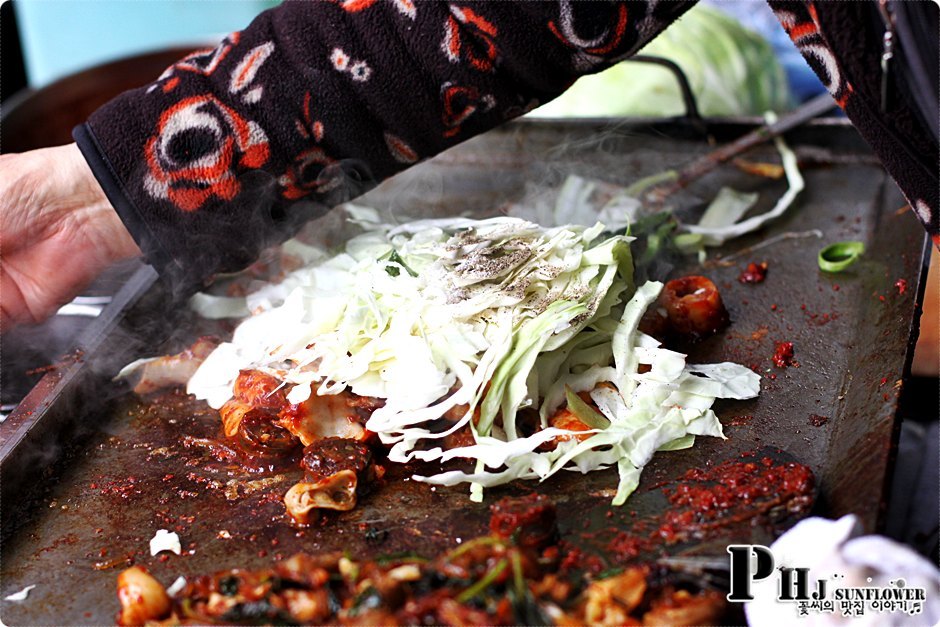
x=843, y=43
x=232, y=149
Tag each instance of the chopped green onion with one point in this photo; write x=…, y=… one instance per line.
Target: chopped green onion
x=469, y=544
x=484, y=582
x=607, y=574
x=394, y=257
x=584, y=412
x=648, y=223
x=656, y=240
x=641, y=185
x=839, y=256
x=368, y=599
x=401, y=556
x=187, y=609
x=688, y=242
x=518, y=578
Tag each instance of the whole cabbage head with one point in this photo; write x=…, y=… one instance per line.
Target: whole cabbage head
x=732, y=71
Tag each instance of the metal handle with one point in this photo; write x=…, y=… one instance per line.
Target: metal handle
x=685, y=88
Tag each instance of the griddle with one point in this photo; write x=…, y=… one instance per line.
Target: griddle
x=90, y=472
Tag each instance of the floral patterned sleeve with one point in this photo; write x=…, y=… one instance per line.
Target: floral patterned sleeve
x=233, y=148
x=843, y=43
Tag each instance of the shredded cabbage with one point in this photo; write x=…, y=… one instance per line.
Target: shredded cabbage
x=482, y=319
x=620, y=207
x=722, y=222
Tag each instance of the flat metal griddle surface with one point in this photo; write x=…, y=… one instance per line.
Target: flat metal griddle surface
x=97, y=509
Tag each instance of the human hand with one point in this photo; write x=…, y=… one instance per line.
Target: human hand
x=57, y=232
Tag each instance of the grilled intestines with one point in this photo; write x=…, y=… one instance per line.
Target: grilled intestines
x=520, y=574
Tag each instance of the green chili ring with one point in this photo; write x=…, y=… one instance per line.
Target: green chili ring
x=839, y=256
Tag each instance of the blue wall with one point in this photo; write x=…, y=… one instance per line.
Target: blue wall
x=64, y=36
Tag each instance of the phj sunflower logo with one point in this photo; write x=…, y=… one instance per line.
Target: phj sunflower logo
x=753, y=562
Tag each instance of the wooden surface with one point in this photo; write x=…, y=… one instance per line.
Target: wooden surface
x=927, y=354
